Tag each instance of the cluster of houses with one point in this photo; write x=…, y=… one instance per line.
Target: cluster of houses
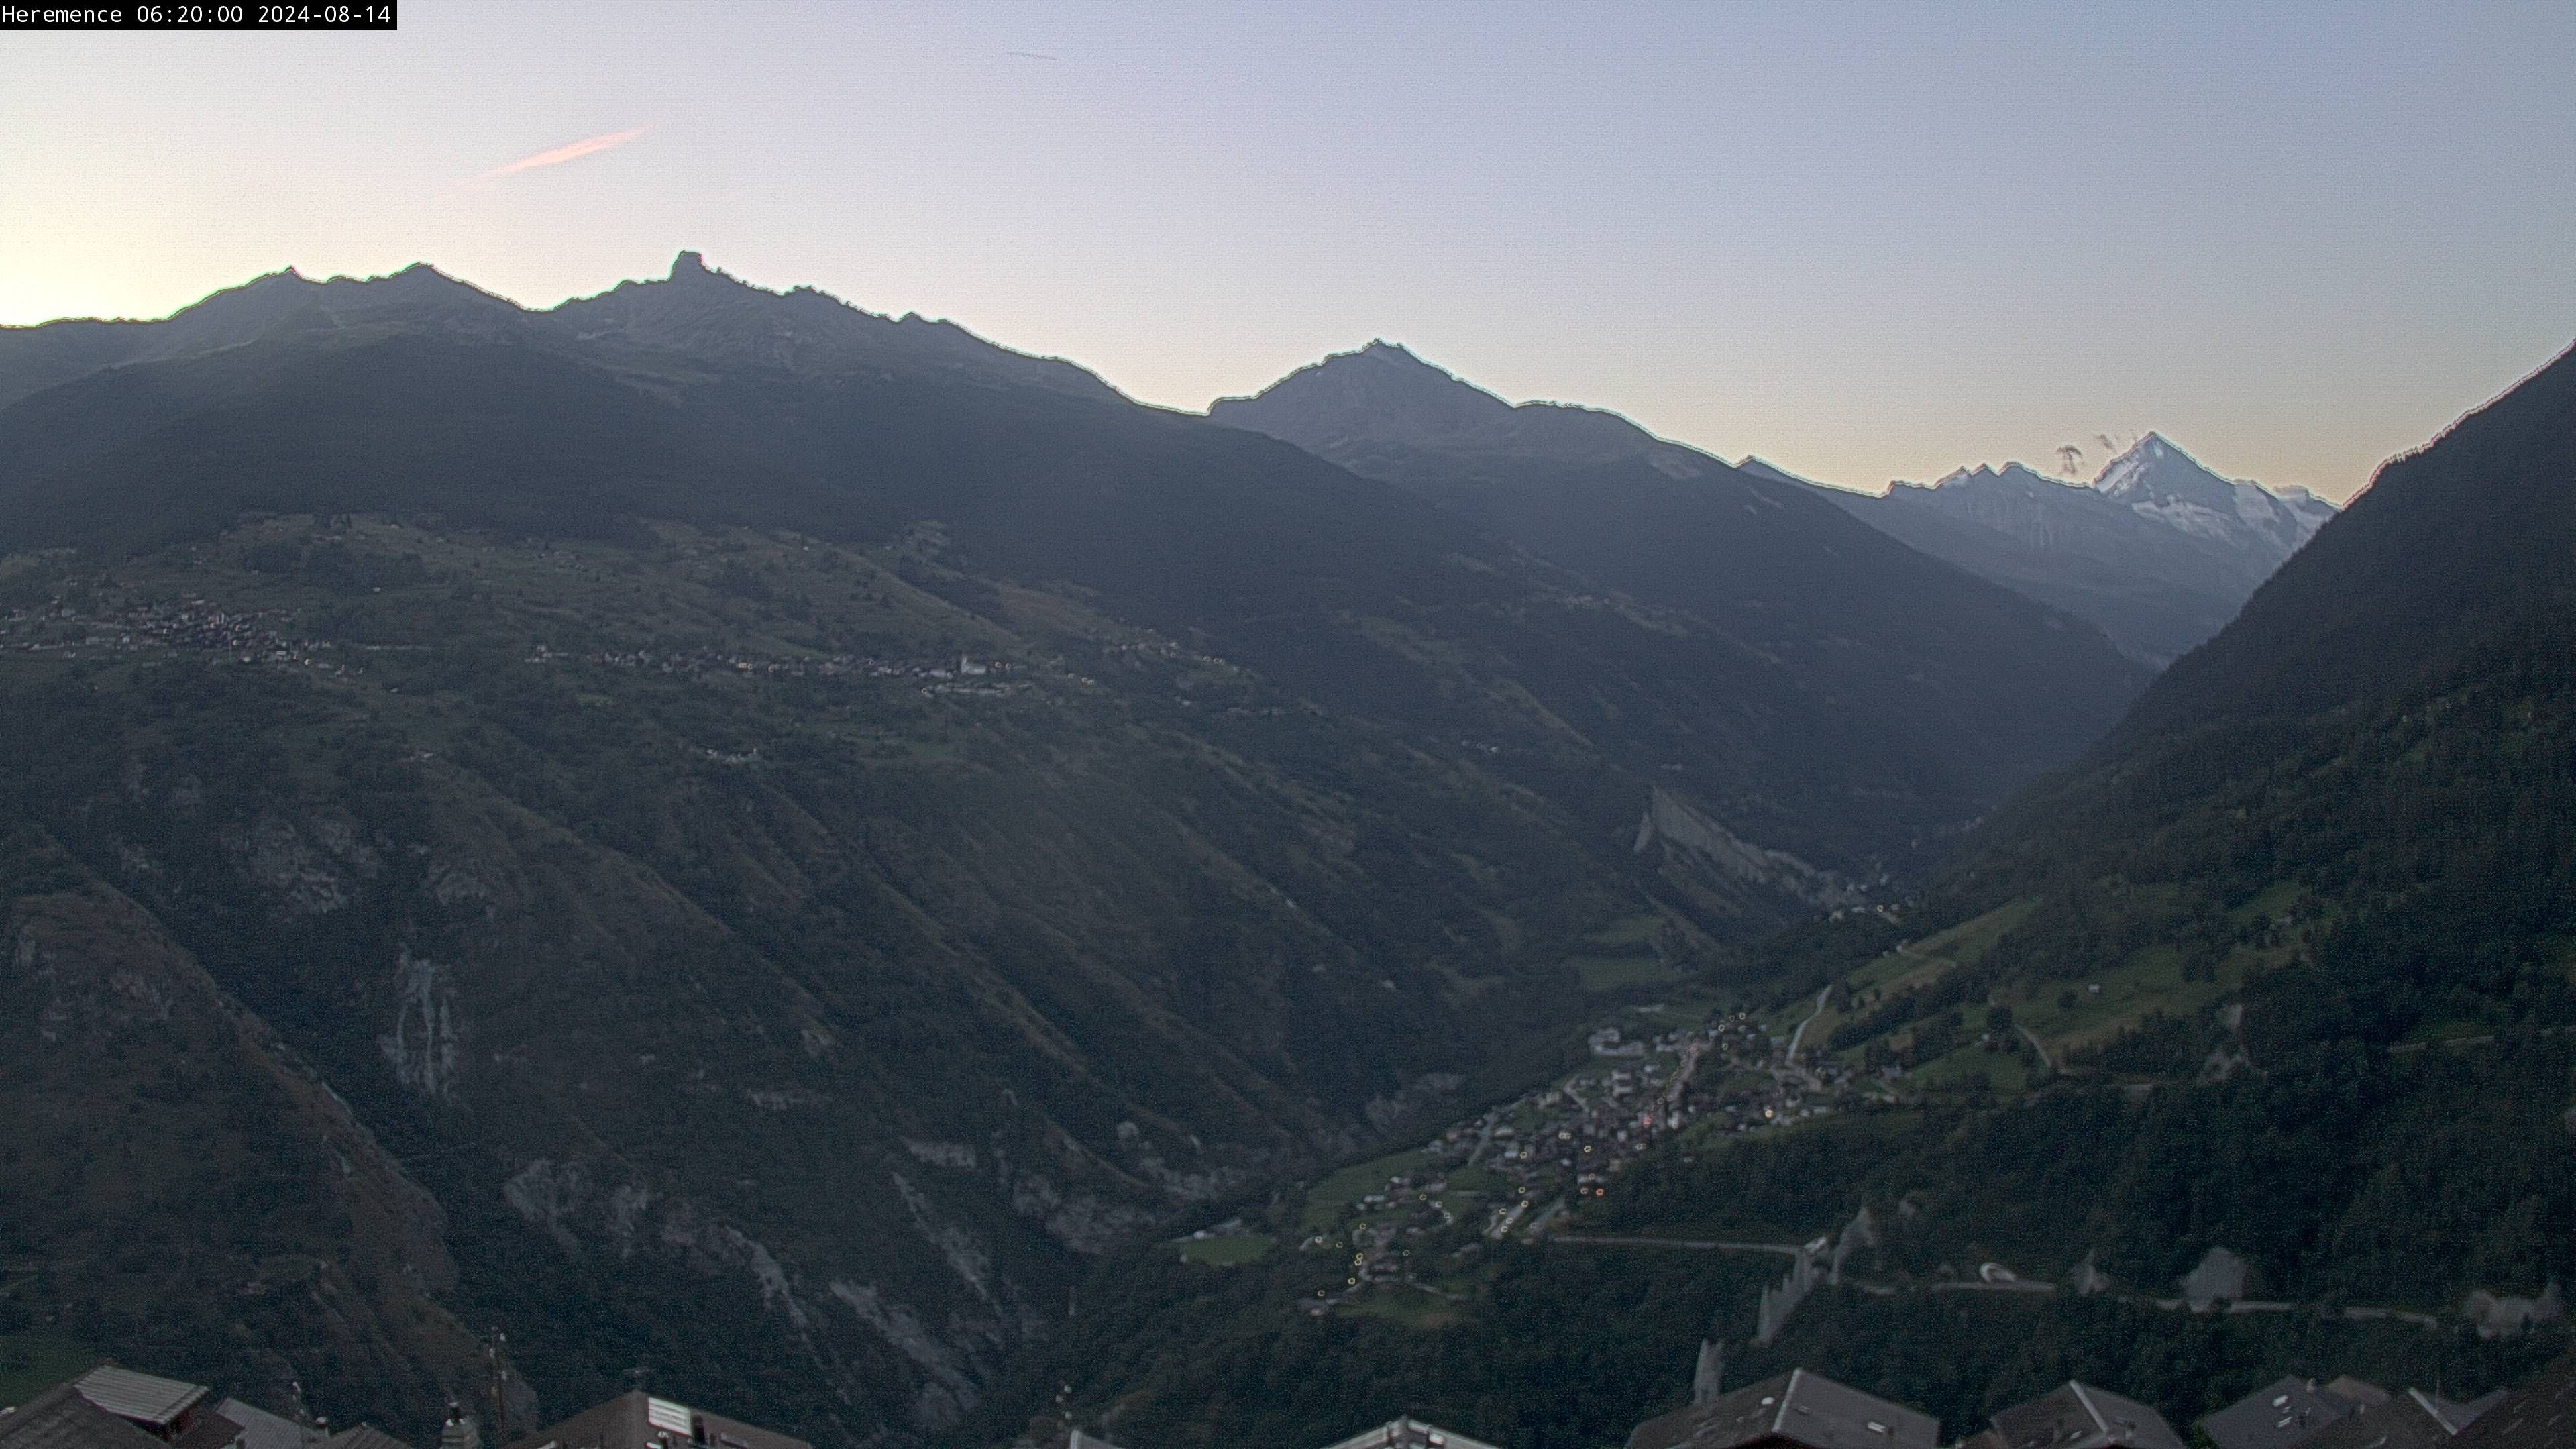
x=1525, y=1162
x=190, y=624
x=1522, y=1165
x=118, y=1408
x=254, y=636
x=1803, y=1410
x=781, y=666
x=1580, y=1132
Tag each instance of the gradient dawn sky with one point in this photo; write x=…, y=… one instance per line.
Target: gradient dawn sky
x=1865, y=240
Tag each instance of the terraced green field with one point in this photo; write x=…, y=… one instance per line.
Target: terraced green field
x=1326, y=1201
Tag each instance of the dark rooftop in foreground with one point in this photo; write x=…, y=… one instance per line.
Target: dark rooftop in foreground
x=639, y=1420
x=2287, y=1413
x=2541, y=1414
x=1796, y=1408
x=60, y=1418
x=2079, y=1416
x=1410, y=1434
x=145, y=1400
x=2411, y=1420
x=261, y=1429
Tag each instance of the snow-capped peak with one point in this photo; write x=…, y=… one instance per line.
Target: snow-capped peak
x=2155, y=480
x=2132, y=471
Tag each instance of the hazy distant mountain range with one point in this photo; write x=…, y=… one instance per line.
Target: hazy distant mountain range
x=1874, y=629
x=2157, y=550
x=695, y=311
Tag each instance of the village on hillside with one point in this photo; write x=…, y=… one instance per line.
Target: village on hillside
x=1516, y=1170
x=1520, y=1172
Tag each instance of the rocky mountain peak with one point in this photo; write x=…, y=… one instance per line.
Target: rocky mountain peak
x=2153, y=468
x=1392, y=362
x=1756, y=466
x=1988, y=477
x=2158, y=480
x=691, y=276
x=711, y=313
x=1385, y=395
x=1377, y=394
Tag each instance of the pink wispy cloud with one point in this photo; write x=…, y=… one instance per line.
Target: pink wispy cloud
x=587, y=146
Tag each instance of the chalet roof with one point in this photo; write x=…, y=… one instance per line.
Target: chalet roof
x=2540, y=1414
x=2282, y=1415
x=264, y=1430
x=142, y=1398
x=61, y=1418
x=2452, y=1414
x=1792, y=1408
x=1410, y=1434
x=2412, y=1420
x=638, y=1420
x=2080, y=1416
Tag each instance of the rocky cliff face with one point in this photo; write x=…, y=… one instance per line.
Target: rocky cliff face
x=174, y=1166
x=1671, y=823
x=652, y=1087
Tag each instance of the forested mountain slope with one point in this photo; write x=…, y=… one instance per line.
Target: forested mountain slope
x=2329, y=861
x=2323, y=847
x=2443, y=588
x=2278, y=976
x=180, y=1182
x=799, y=831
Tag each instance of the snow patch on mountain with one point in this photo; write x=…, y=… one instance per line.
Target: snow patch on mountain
x=2189, y=517
x=2127, y=473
